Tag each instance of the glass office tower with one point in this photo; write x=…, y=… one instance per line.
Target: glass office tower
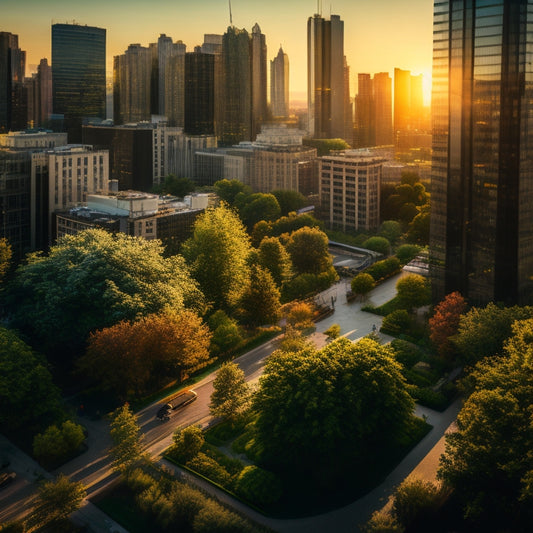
x=78, y=72
x=482, y=172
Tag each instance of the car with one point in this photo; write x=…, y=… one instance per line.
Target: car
x=176, y=402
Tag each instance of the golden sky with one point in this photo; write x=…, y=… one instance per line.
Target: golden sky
x=379, y=35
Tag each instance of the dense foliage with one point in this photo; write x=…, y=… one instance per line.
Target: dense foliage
x=230, y=392
x=444, y=323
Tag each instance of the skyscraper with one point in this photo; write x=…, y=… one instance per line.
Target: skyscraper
x=259, y=79
x=325, y=77
x=78, y=74
x=279, y=85
x=171, y=70
x=364, y=122
x=382, y=85
x=13, y=108
x=402, y=99
x=482, y=170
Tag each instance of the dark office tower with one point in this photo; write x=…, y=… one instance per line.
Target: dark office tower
x=171, y=79
x=325, y=77
x=234, y=89
x=482, y=171
x=383, y=109
x=259, y=80
x=39, y=95
x=402, y=99
x=348, y=107
x=78, y=74
x=13, y=106
x=364, y=117
x=279, y=85
x=199, y=93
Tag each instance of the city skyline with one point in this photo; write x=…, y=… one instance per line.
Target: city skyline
x=378, y=37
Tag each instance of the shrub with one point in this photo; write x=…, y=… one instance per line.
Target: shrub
x=406, y=353
x=208, y=467
x=382, y=522
x=429, y=398
x=384, y=269
x=396, y=322
x=415, y=502
x=187, y=503
x=57, y=444
x=378, y=244
x=362, y=284
x=258, y=486
x=139, y=481
x=333, y=331
x=413, y=291
x=407, y=252
x=187, y=442
x=213, y=517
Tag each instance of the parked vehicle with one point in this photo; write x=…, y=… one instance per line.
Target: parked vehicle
x=176, y=402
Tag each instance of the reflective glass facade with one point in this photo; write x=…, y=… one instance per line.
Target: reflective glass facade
x=78, y=70
x=482, y=171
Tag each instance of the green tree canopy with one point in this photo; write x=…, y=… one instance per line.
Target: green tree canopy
x=226, y=332
x=93, y=280
x=324, y=146
x=231, y=393
x=217, y=253
x=308, y=248
x=175, y=186
x=188, y=442
x=289, y=201
x=294, y=222
x=316, y=407
x=488, y=460
x=25, y=380
x=256, y=207
x=407, y=252
x=391, y=230
x=5, y=257
x=413, y=291
x=260, y=301
x=483, y=331
x=418, y=231
x=274, y=257
x=125, y=435
x=227, y=190
x=378, y=244
x=362, y=284
x=58, y=443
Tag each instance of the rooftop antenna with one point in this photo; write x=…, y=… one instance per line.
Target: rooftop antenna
x=319, y=7
x=230, y=17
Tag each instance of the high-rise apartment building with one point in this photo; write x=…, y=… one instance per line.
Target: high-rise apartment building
x=364, y=103
x=13, y=108
x=325, y=77
x=78, y=74
x=171, y=72
x=39, y=95
x=482, y=171
x=259, y=79
x=382, y=85
x=279, y=85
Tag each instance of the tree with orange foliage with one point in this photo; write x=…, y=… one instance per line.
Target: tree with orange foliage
x=444, y=323
x=132, y=358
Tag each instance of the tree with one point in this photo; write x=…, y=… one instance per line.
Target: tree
x=226, y=332
x=57, y=444
x=390, y=230
x=331, y=405
x=131, y=358
x=175, y=186
x=293, y=341
x=289, y=201
x=488, y=460
x=227, y=190
x=407, y=252
x=308, y=248
x=294, y=222
x=217, y=253
x=413, y=291
x=260, y=301
x=125, y=435
x=188, y=442
x=24, y=379
x=444, y=323
x=274, y=257
x=382, y=522
x=230, y=392
x=378, y=244
x=362, y=284
x=418, y=231
x=416, y=502
x=333, y=331
x=258, y=206
x=5, y=257
x=324, y=146
x=299, y=315
x=93, y=280
x=483, y=331
x=57, y=500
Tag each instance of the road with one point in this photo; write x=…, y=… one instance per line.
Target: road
x=93, y=466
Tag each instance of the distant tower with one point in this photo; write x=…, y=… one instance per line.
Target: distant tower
x=364, y=121
x=259, y=80
x=383, y=109
x=78, y=74
x=417, y=102
x=402, y=100
x=13, y=107
x=325, y=75
x=234, y=88
x=171, y=71
x=279, y=85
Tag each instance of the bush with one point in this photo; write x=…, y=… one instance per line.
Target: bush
x=381, y=245
x=362, y=284
x=187, y=503
x=384, y=269
x=58, y=444
x=407, y=252
x=416, y=502
x=213, y=517
x=382, y=522
x=187, y=442
x=208, y=467
x=333, y=331
x=415, y=378
x=429, y=398
x=138, y=480
x=396, y=322
x=258, y=486
x=413, y=291
x=406, y=353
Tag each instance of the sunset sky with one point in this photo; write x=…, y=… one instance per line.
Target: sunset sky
x=378, y=34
